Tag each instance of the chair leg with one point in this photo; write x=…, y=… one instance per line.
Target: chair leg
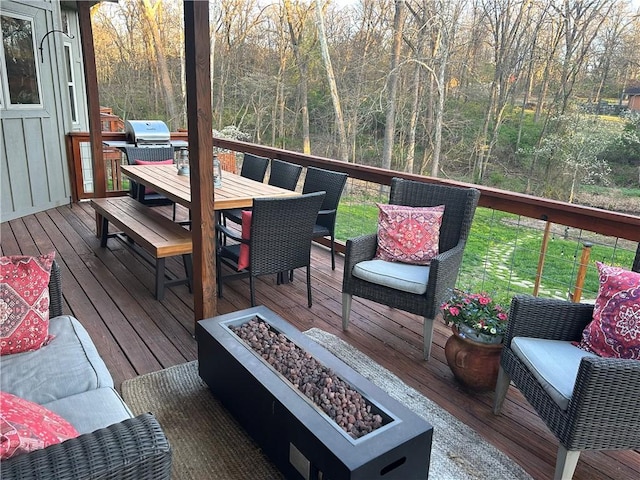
x=502, y=385
x=427, y=337
x=252, y=291
x=333, y=253
x=219, y=276
x=346, y=309
x=566, y=463
x=309, y=302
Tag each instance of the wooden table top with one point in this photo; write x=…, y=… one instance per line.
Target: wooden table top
x=235, y=192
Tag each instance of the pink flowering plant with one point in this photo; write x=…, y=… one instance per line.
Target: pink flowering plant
x=478, y=311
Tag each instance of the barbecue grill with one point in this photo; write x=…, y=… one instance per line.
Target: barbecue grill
x=147, y=133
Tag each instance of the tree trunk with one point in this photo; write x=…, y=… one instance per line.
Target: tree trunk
x=343, y=149
x=301, y=63
x=149, y=11
x=392, y=85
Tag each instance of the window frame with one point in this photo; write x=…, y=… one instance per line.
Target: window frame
x=5, y=100
x=72, y=88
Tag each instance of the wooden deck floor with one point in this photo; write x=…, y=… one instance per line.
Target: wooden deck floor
x=111, y=292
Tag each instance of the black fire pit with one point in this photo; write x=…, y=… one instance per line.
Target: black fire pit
x=301, y=440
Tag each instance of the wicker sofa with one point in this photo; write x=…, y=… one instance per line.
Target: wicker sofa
x=68, y=377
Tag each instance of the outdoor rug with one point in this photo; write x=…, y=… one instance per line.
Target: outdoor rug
x=208, y=443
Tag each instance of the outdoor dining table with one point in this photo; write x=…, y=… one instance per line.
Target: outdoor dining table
x=236, y=191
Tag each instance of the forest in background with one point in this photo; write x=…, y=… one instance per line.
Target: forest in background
x=504, y=93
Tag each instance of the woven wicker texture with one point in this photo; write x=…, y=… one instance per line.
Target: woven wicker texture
x=254, y=167
x=320, y=180
x=134, y=449
x=281, y=235
x=284, y=174
x=55, y=291
x=460, y=205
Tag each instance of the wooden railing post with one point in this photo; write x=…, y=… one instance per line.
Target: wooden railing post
x=543, y=253
x=582, y=272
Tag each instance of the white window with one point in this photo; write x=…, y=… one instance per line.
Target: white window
x=68, y=60
x=20, y=74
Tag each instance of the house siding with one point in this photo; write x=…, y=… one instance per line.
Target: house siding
x=34, y=168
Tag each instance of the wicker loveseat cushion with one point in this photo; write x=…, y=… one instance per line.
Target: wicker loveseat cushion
x=542, y=357
x=396, y=275
x=88, y=411
x=67, y=365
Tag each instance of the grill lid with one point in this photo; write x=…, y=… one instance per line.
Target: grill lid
x=147, y=132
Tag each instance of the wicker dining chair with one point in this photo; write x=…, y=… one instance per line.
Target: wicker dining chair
x=145, y=155
x=436, y=280
x=136, y=155
x=282, y=174
x=281, y=232
x=319, y=180
x=254, y=167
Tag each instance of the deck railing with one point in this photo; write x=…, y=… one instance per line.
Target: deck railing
x=572, y=237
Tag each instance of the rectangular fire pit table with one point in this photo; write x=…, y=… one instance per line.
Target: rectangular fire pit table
x=300, y=439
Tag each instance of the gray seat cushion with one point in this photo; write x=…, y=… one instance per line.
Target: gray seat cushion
x=554, y=363
x=89, y=411
x=69, y=364
x=400, y=276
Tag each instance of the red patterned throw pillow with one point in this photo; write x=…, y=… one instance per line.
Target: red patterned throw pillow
x=243, y=260
x=24, y=302
x=26, y=426
x=408, y=234
x=615, y=328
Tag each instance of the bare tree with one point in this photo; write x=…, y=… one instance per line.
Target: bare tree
x=295, y=25
x=508, y=21
x=343, y=149
x=611, y=38
x=392, y=84
x=582, y=19
x=151, y=11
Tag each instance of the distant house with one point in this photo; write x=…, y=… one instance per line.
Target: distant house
x=634, y=98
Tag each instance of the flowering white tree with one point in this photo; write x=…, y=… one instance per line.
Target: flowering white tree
x=572, y=151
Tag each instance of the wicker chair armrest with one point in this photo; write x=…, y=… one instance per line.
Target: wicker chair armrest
x=232, y=234
x=547, y=318
x=55, y=291
x=358, y=250
x=327, y=212
x=133, y=449
x=443, y=272
x=605, y=399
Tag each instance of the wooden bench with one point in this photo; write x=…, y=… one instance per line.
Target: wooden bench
x=149, y=229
